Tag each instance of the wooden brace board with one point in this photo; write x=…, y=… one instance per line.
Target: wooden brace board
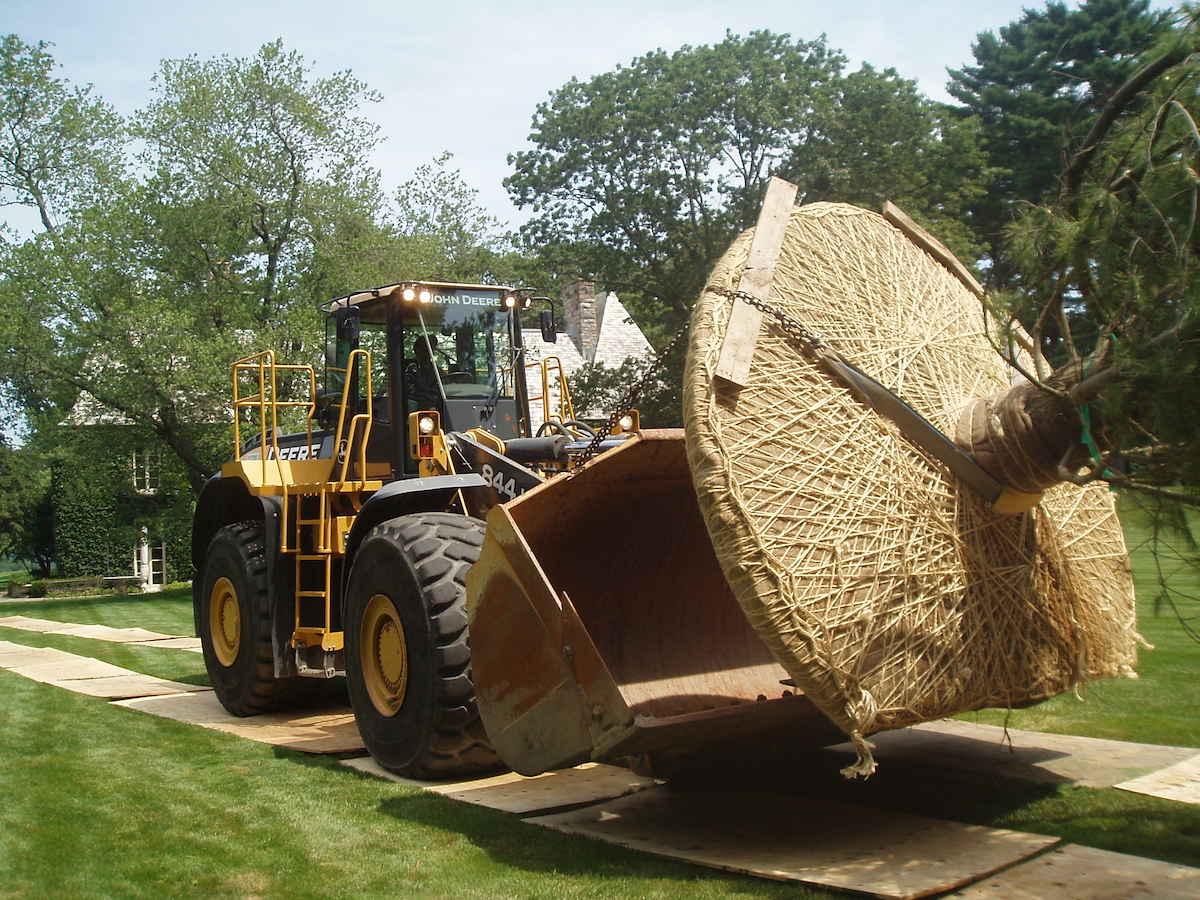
x=741, y=334
x=932, y=246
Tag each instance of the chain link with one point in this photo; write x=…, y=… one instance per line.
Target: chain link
x=811, y=340
x=629, y=401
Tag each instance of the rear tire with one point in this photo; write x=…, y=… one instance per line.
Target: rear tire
x=233, y=616
x=408, y=661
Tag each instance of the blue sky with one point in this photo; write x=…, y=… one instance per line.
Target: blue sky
x=466, y=76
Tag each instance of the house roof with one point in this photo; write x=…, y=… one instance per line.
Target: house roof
x=619, y=338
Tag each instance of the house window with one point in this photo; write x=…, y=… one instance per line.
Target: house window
x=147, y=471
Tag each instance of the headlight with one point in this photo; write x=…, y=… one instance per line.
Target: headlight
x=626, y=423
x=426, y=425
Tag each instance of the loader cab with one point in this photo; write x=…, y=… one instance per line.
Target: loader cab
x=452, y=348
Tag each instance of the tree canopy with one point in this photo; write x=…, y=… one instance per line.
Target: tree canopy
x=249, y=200
x=642, y=175
x=1036, y=88
x=1110, y=273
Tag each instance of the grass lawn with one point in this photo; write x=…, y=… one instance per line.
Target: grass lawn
x=105, y=802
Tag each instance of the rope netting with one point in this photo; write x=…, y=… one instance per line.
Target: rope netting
x=889, y=592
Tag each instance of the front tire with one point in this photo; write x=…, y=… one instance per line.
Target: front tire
x=408, y=661
x=233, y=617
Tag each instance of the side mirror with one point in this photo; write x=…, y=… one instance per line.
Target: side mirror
x=349, y=326
x=549, y=326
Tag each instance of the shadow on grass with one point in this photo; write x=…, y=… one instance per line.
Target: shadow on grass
x=899, y=785
x=531, y=848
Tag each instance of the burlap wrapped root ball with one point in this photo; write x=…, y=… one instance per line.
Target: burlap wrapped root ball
x=889, y=592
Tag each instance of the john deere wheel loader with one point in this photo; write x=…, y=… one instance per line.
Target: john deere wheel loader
x=340, y=537
x=342, y=546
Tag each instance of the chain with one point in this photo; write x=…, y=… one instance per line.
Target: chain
x=812, y=340
x=629, y=401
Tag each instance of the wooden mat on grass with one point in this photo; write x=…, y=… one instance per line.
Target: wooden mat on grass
x=1024, y=755
x=329, y=729
x=830, y=845
x=513, y=793
x=1083, y=873
x=101, y=633
x=84, y=675
x=1179, y=782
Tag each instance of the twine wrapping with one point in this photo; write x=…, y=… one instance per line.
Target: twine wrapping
x=890, y=593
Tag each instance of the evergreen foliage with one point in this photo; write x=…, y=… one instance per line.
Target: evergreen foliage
x=1110, y=271
x=641, y=176
x=1036, y=88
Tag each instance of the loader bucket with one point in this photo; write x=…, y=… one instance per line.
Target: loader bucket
x=602, y=626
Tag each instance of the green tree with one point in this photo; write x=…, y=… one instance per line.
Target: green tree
x=26, y=523
x=255, y=161
x=1109, y=266
x=257, y=202
x=443, y=233
x=880, y=140
x=59, y=146
x=1037, y=87
x=642, y=175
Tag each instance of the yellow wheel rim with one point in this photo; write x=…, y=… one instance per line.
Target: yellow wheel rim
x=225, y=621
x=384, y=655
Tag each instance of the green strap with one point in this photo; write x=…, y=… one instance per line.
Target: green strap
x=1085, y=414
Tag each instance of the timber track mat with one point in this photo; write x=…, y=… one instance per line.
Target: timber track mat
x=102, y=633
x=84, y=675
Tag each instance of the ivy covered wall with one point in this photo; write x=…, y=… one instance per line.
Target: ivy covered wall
x=108, y=484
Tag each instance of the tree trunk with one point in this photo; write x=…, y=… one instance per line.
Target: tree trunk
x=1029, y=437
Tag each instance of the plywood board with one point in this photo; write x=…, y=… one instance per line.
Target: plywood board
x=116, y=635
x=96, y=632
x=69, y=670
x=326, y=730
x=1178, y=782
x=15, y=655
x=41, y=626
x=883, y=854
x=517, y=794
x=123, y=687
x=1025, y=755
x=176, y=643
x=1082, y=873
x=741, y=332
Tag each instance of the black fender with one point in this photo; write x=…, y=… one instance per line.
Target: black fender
x=399, y=498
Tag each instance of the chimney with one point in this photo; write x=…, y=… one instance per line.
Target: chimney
x=580, y=320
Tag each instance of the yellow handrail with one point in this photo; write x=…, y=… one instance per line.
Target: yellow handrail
x=553, y=379
x=264, y=373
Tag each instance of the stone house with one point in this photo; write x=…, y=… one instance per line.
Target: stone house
x=593, y=328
